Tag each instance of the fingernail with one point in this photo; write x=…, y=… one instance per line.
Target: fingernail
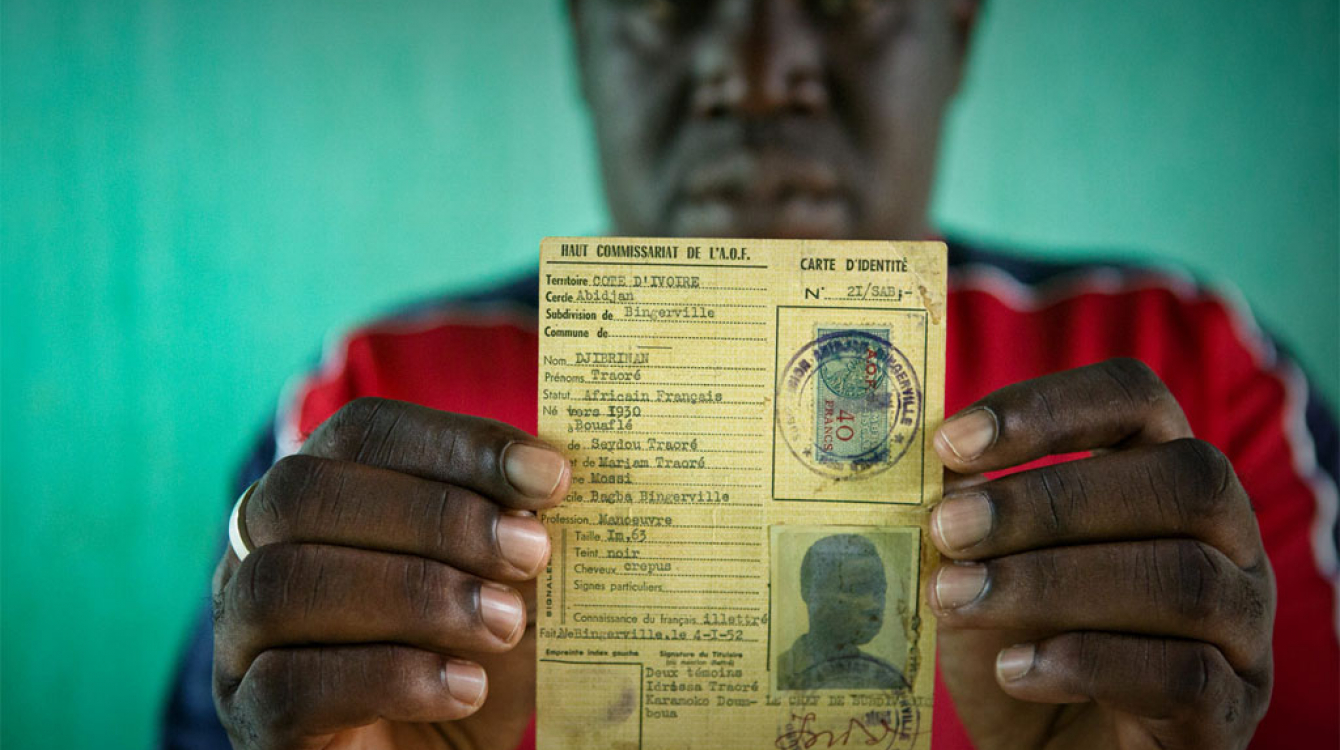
x=969, y=435
x=501, y=610
x=1015, y=662
x=958, y=584
x=523, y=541
x=962, y=521
x=466, y=682
x=532, y=470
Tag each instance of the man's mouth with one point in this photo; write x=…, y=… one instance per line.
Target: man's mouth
x=759, y=177
x=761, y=194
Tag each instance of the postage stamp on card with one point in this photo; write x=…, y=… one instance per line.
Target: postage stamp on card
x=851, y=396
x=864, y=396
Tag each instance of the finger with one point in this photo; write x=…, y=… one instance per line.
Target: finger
x=1119, y=402
x=295, y=693
x=1171, y=587
x=305, y=499
x=291, y=594
x=1186, y=690
x=496, y=460
x=1185, y=488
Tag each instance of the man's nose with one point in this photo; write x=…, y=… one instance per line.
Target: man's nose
x=760, y=58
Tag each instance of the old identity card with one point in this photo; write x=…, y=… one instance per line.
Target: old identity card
x=739, y=561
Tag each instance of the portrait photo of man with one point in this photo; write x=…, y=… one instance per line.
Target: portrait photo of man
x=850, y=614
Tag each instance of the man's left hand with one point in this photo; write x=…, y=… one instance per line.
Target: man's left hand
x=1122, y=600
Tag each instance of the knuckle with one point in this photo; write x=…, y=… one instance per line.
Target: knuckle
x=1260, y=683
x=1133, y=386
x=1207, y=472
x=1038, y=576
x=218, y=608
x=473, y=446
x=258, y=592
x=1257, y=613
x=224, y=687
x=1196, y=485
x=454, y=524
x=242, y=720
x=1255, y=610
x=438, y=597
x=1029, y=405
x=1196, y=576
x=273, y=508
x=291, y=474
x=359, y=412
x=282, y=696
x=1021, y=409
x=1053, y=493
x=1194, y=678
x=346, y=432
x=1091, y=664
x=1137, y=378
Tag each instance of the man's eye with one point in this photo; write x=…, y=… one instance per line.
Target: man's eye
x=853, y=10
x=655, y=25
x=662, y=12
x=658, y=11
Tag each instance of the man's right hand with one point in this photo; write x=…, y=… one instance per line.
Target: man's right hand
x=391, y=587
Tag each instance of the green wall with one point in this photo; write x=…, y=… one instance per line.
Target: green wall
x=1198, y=130
x=194, y=193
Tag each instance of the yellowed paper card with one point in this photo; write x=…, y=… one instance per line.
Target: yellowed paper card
x=740, y=559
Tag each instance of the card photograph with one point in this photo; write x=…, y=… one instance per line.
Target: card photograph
x=844, y=603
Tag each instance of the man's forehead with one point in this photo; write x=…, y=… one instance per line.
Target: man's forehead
x=857, y=567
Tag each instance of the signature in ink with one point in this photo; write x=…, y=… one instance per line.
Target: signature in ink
x=876, y=728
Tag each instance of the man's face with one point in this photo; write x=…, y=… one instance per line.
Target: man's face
x=769, y=118
x=846, y=600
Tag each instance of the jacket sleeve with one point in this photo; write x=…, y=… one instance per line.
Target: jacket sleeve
x=1281, y=438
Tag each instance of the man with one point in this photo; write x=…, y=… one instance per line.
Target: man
x=843, y=584
x=1122, y=600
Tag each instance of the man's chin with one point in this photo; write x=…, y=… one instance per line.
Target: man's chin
x=866, y=633
x=799, y=217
